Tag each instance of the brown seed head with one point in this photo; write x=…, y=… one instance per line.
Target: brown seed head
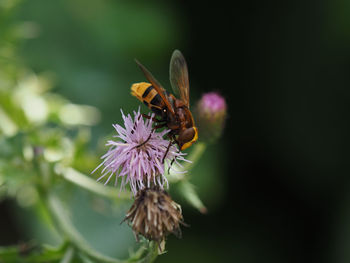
x=154, y=215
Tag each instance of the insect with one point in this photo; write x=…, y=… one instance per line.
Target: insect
x=172, y=112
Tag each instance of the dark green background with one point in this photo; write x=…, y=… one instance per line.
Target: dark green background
x=277, y=183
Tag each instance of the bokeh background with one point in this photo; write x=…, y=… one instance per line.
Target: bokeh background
x=277, y=184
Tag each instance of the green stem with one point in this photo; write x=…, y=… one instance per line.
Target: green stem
x=74, y=237
x=68, y=256
x=72, y=234
x=194, y=156
x=182, y=178
x=91, y=185
x=57, y=213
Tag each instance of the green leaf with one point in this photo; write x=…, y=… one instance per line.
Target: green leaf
x=31, y=253
x=189, y=193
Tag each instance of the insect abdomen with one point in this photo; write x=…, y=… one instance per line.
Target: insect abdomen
x=138, y=89
x=145, y=93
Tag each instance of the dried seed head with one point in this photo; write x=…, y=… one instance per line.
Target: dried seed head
x=154, y=215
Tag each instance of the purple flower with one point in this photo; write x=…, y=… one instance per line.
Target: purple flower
x=137, y=156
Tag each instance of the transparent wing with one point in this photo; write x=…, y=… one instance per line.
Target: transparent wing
x=179, y=77
x=156, y=85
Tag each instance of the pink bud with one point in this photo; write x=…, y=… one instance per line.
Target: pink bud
x=213, y=104
x=210, y=116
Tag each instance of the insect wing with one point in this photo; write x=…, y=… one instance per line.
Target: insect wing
x=179, y=77
x=156, y=85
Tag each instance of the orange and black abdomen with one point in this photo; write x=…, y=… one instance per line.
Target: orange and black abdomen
x=145, y=93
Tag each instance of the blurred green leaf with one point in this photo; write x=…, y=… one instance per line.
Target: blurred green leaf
x=189, y=193
x=31, y=253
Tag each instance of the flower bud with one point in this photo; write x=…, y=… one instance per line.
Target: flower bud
x=154, y=215
x=211, y=113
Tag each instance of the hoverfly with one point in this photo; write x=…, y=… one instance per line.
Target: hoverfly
x=173, y=112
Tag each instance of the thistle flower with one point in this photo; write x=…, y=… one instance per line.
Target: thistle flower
x=211, y=113
x=137, y=157
x=154, y=215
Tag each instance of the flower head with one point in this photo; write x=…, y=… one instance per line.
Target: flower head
x=154, y=215
x=211, y=113
x=137, y=157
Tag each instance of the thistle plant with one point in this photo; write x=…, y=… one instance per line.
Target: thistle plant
x=45, y=147
x=139, y=157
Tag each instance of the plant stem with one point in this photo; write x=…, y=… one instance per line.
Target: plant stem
x=68, y=256
x=91, y=185
x=193, y=157
x=74, y=237
x=72, y=234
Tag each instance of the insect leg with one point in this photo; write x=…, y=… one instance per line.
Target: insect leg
x=161, y=125
x=167, y=150
x=149, y=137
x=149, y=117
x=171, y=164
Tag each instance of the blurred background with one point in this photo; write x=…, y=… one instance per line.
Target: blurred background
x=277, y=183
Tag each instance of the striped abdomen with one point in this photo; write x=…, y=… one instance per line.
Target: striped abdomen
x=145, y=92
